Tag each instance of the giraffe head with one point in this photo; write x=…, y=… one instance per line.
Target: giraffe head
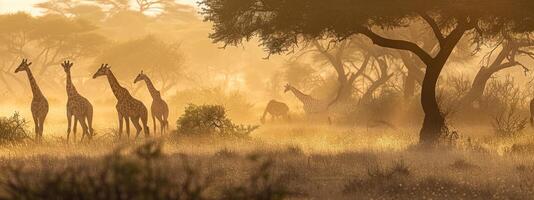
x=24, y=66
x=67, y=65
x=140, y=77
x=287, y=87
x=102, y=71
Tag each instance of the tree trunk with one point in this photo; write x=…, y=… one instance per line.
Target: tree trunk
x=434, y=122
x=477, y=87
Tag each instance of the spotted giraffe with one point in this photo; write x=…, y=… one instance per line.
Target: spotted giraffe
x=78, y=107
x=159, y=108
x=310, y=104
x=128, y=108
x=39, y=106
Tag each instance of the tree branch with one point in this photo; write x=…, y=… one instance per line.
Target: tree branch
x=397, y=44
x=435, y=28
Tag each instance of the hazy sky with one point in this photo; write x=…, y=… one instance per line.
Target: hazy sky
x=11, y=6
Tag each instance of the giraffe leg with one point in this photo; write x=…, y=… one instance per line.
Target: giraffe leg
x=144, y=120
x=135, y=122
x=161, y=124
x=41, y=127
x=121, y=118
x=90, y=123
x=69, y=124
x=84, y=128
x=154, y=122
x=36, y=123
x=74, y=128
x=165, y=118
x=127, y=121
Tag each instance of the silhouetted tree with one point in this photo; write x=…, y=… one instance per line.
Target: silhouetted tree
x=509, y=51
x=161, y=60
x=48, y=40
x=281, y=25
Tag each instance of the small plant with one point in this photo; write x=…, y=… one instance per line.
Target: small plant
x=13, y=130
x=210, y=120
x=260, y=185
x=508, y=122
x=389, y=179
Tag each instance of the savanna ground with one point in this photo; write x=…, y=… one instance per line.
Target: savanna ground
x=278, y=161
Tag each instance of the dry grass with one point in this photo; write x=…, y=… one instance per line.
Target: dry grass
x=314, y=162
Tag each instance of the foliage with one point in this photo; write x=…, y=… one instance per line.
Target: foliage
x=210, y=120
x=502, y=94
x=236, y=103
x=13, y=130
x=508, y=122
x=380, y=177
x=138, y=173
x=277, y=23
x=260, y=185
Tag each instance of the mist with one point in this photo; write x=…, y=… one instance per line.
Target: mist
x=266, y=99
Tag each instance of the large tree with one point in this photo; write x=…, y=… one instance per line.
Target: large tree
x=282, y=24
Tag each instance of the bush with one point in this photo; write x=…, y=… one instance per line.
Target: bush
x=236, y=102
x=137, y=173
x=508, y=122
x=13, y=130
x=210, y=120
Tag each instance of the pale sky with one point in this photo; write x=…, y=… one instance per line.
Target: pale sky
x=12, y=6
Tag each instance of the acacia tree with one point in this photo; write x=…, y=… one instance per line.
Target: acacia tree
x=282, y=24
x=161, y=60
x=505, y=55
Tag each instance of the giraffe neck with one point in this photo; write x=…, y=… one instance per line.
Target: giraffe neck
x=71, y=90
x=301, y=96
x=153, y=91
x=33, y=84
x=119, y=91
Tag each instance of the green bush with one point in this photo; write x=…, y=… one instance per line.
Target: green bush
x=236, y=103
x=210, y=120
x=13, y=130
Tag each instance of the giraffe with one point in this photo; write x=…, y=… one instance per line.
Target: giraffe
x=39, y=106
x=532, y=112
x=159, y=108
x=128, y=108
x=78, y=107
x=275, y=109
x=310, y=104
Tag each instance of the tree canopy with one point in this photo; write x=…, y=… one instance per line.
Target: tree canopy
x=276, y=22
x=281, y=25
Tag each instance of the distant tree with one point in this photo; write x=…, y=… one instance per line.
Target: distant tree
x=504, y=54
x=161, y=60
x=48, y=40
x=302, y=75
x=73, y=9
x=352, y=59
x=281, y=25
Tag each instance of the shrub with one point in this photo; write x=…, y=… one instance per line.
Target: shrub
x=260, y=185
x=121, y=175
x=379, y=178
x=236, y=102
x=138, y=173
x=210, y=120
x=508, y=122
x=13, y=130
